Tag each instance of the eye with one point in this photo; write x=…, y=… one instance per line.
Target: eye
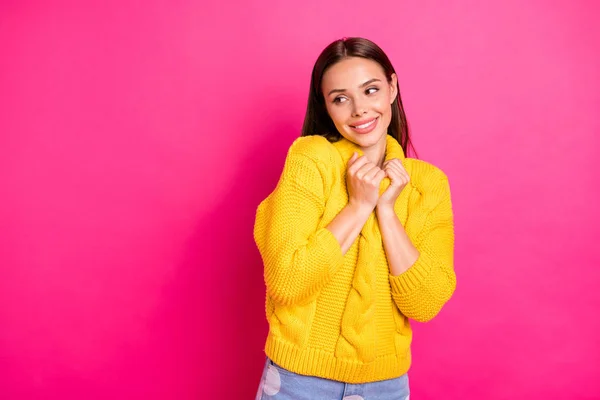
x=340, y=99
x=372, y=90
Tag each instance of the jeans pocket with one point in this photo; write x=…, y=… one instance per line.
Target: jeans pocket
x=272, y=379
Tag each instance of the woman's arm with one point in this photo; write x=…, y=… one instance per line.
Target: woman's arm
x=362, y=179
x=348, y=223
x=422, y=277
x=299, y=257
x=400, y=251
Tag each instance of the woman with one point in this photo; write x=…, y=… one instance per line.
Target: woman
x=355, y=239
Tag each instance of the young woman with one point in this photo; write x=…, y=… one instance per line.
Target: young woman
x=356, y=239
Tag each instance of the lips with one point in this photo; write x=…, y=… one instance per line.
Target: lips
x=365, y=126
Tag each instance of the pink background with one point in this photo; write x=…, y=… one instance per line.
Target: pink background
x=137, y=139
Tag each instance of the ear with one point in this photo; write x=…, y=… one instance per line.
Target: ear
x=393, y=87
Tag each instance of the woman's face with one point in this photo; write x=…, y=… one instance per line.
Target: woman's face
x=358, y=98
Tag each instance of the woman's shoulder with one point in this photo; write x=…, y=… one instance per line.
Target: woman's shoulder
x=428, y=179
x=426, y=171
x=315, y=147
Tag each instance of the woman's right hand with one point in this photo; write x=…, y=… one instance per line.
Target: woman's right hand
x=362, y=179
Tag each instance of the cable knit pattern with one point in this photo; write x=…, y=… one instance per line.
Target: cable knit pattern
x=357, y=339
x=344, y=317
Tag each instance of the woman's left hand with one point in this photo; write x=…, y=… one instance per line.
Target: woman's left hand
x=399, y=178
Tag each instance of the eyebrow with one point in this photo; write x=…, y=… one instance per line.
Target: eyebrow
x=363, y=85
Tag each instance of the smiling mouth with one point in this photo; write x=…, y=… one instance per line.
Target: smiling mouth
x=365, y=125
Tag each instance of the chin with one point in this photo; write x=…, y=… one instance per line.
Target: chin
x=367, y=140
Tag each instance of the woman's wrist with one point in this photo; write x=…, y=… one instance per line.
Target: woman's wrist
x=385, y=210
x=360, y=209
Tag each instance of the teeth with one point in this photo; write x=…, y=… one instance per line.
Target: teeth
x=365, y=125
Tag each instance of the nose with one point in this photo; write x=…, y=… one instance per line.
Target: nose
x=358, y=108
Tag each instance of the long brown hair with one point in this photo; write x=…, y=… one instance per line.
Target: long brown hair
x=317, y=120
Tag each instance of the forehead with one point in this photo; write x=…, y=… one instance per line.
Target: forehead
x=351, y=73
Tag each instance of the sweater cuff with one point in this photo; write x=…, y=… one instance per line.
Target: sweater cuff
x=411, y=279
x=331, y=254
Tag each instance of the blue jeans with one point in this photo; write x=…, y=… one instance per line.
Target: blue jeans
x=278, y=383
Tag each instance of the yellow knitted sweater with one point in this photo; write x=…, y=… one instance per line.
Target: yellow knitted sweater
x=345, y=317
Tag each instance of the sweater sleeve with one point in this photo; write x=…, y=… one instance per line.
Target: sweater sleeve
x=299, y=257
x=421, y=291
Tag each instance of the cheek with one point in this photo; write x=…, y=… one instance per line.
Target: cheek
x=337, y=115
x=383, y=107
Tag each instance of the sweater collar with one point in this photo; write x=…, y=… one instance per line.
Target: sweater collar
x=392, y=149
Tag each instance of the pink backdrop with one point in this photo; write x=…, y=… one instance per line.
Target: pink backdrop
x=137, y=139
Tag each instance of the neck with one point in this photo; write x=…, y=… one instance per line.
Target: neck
x=376, y=153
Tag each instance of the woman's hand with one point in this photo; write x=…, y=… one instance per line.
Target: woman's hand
x=363, y=178
x=399, y=179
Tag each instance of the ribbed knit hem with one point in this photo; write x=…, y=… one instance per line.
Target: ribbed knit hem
x=317, y=362
x=412, y=278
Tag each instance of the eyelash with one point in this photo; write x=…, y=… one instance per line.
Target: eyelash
x=337, y=99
